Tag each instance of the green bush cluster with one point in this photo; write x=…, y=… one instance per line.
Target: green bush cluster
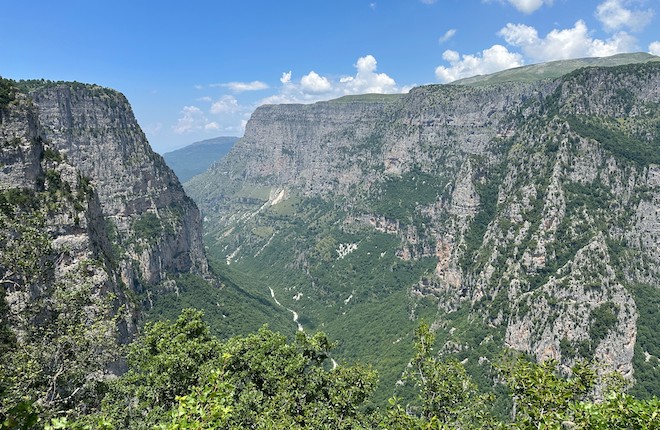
x=602, y=319
x=399, y=197
x=647, y=367
x=7, y=93
x=618, y=143
x=148, y=227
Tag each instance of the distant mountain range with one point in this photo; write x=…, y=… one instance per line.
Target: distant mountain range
x=195, y=158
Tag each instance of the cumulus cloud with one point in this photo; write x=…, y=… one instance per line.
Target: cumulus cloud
x=314, y=87
x=614, y=15
x=229, y=114
x=239, y=87
x=315, y=84
x=564, y=44
x=192, y=119
x=529, y=6
x=525, y=6
x=225, y=104
x=654, y=48
x=490, y=60
x=448, y=35
x=367, y=80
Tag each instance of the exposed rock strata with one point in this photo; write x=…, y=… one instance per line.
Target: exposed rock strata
x=113, y=202
x=94, y=128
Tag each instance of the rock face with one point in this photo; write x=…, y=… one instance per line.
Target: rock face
x=94, y=128
x=111, y=200
x=539, y=202
x=20, y=158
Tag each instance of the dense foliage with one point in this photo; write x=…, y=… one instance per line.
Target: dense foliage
x=181, y=377
x=58, y=337
x=6, y=93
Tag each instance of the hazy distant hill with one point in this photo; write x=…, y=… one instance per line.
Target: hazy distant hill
x=197, y=157
x=555, y=69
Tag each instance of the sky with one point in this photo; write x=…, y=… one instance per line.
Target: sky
x=197, y=69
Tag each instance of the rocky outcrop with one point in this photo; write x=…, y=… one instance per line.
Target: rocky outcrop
x=95, y=130
x=111, y=214
x=20, y=166
x=52, y=227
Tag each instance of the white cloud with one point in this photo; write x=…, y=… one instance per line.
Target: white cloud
x=204, y=99
x=428, y=1
x=225, y=104
x=529, y=6
x=654, y=47
x=490, y=60
x=228, y=115
x=614, y=15
x=448, y=35
x=618, y=43
x=367, y=80
x=315, y=84
x=153, y=128
x=314, y=87
x=563, y=44
x=239, y=87
x=192, y=118
x=525, y=6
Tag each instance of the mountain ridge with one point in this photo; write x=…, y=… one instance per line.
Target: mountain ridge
x=555, y=69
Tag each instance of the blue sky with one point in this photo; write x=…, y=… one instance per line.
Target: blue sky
x=197, y=69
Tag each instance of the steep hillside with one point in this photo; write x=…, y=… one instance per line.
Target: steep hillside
x=521, y=215
x=94, y=230
x=195, y=158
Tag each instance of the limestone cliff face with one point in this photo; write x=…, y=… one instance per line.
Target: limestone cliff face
x=52, y=227
x=539, y=201
x=20, y=157
x=94, y=128
x=330, y=147
x=109, y=213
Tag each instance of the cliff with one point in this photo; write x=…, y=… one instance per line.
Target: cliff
x=95, y=130
x=101, y=194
